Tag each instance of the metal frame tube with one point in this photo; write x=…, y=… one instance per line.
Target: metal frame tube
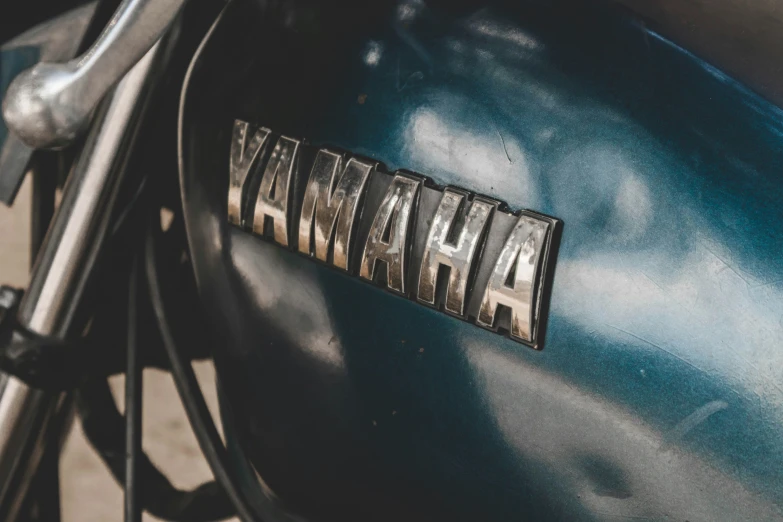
x=63, y=268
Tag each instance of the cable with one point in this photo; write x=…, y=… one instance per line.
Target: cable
x=118, y=439
x=104, y=427
x=190, y=393
x=133, y=404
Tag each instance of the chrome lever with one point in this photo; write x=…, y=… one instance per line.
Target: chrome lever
x=49, y=105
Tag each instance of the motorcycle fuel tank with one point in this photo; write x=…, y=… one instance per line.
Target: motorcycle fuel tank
x=486, y=262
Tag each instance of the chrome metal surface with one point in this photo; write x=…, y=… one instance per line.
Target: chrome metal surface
x=65, y=262
x=457, y=255
x=50, y=430
x=393, y=217
x=272, y=201
x=330, y=204
x=244, y=153
x=53, y=41
x=513, y=280
x=49, y=105
x=418, y=231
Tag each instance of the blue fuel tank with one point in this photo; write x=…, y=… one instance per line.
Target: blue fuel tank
x=657, y=389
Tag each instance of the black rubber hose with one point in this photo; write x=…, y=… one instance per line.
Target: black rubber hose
x=133, y=404
x=190, y=393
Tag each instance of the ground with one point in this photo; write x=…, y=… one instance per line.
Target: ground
x=89, y=493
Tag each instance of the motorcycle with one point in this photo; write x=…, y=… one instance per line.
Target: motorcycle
x=474, y=260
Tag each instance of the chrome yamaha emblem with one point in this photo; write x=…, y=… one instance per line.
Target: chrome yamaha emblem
x=461, y=253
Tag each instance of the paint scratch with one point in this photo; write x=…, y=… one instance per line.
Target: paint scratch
x=691, y=421
x=650, y=343
x=505, y=149
x=650, y=279
x=726, y=264
x=770, y=283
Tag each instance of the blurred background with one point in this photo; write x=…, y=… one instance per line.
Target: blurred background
x=89, y=493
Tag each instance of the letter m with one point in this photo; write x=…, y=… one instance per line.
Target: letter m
x=329, y=207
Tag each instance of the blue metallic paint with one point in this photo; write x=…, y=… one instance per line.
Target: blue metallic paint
x=659, y=393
